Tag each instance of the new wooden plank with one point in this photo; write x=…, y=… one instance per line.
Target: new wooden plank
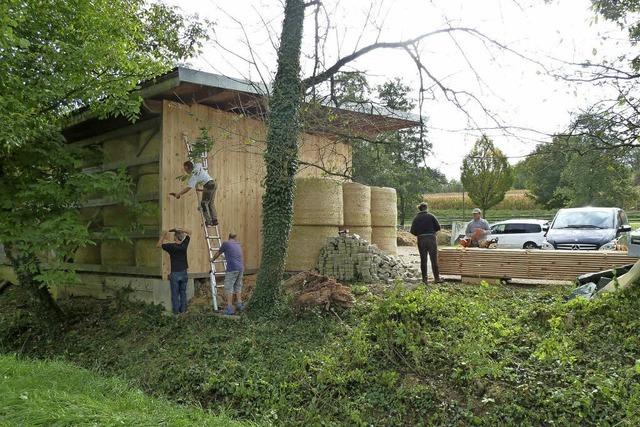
x=525, y=264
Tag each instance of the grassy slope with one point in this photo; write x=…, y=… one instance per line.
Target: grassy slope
x=454, y=355
x=55, y=393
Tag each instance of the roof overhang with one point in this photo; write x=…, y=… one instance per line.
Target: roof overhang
x=190, y=87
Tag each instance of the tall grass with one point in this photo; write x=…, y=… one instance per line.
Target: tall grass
x=36, y=393
x=513, y=200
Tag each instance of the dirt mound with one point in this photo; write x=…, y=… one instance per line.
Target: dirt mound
x=311, y=289
x=406, y=239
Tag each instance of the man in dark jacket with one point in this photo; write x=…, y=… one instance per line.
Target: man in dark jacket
x=178, y=277
x=425, y=226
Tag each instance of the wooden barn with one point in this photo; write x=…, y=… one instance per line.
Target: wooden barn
x=176, y=107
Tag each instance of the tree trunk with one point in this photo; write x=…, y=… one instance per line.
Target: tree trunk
x=281, y=159
x=27, y=267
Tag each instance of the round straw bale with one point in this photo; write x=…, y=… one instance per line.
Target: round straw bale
x=150, y=214
x=149, y=168
x=357, y=204
x=116, y=216
x=386, y=239
x=91, y=216
x=148, y=184
x=147, y=255
x=363, y=232
x=122, y=148
x=148, y=146
x=384, y=207
x=89, y=254
x=305, y=243
x=115, y=252
x=318, y=201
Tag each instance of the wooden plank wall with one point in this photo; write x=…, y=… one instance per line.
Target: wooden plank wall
x=237, y=165
x=527, y=264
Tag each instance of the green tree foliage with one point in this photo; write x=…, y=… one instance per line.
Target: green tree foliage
x=486, y=174
x=281, y=159
x=396, y=159
x=543, y=171
x=55, y=58
x=519, y=176
x=578, y=171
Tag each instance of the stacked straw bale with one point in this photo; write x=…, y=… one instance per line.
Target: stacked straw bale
x=317, y=214
x=356, y=200
x=123, y=148
x=115, y=252
x=89, y=254
x=384, y=213
x=116, y=216
x=147, y=254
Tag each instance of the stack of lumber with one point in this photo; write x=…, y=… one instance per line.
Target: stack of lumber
x=527, y=264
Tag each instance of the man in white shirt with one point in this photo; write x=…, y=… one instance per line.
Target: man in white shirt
x=200, y=176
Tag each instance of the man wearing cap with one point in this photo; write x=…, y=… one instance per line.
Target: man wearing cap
x=477, y=228
x=424, y=227
x=178, y=277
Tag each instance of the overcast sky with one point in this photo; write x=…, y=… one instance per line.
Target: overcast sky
x=515, y=89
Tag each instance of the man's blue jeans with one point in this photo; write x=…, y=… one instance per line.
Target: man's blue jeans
x=178, y=282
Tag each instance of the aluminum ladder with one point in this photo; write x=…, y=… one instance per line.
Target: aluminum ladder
x=213, y=241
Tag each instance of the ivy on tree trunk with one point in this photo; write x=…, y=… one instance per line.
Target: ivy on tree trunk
x=281, y=159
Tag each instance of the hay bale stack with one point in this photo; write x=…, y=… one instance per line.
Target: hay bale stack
x=386, y=239
x=305, y=243
x=90, y=216
x=116, y=216
x=318, y=201
x=89, y=254
x=147, y=169
x=146, y=253
x=363, y=232
x=148, y=183
x=150, y=147
x=115, y=252
x=384, y=207
x=150, y=215
x=356, y=205
x=123, y=148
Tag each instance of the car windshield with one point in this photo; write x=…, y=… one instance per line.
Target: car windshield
x=584, y=219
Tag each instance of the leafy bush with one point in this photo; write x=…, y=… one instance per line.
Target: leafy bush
x=454, y=355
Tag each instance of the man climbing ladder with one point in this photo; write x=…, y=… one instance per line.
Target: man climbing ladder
x=199, y=175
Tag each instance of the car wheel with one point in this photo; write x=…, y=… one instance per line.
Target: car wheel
x=529, y=245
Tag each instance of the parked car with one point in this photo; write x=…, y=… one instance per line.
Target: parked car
x=588, y=229
x=519, y=233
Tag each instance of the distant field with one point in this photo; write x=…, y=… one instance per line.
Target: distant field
x=513, y=200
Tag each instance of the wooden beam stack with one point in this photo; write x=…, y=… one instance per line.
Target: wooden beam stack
x=527, y=264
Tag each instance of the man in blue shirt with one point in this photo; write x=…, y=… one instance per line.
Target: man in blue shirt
x=178, y=277
x=233, y=276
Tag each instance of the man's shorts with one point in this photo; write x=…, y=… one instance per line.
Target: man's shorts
x=233, y=282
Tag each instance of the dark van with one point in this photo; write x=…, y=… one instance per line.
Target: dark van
x=587, y=229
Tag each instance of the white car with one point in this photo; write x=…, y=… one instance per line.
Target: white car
x=519, y=233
